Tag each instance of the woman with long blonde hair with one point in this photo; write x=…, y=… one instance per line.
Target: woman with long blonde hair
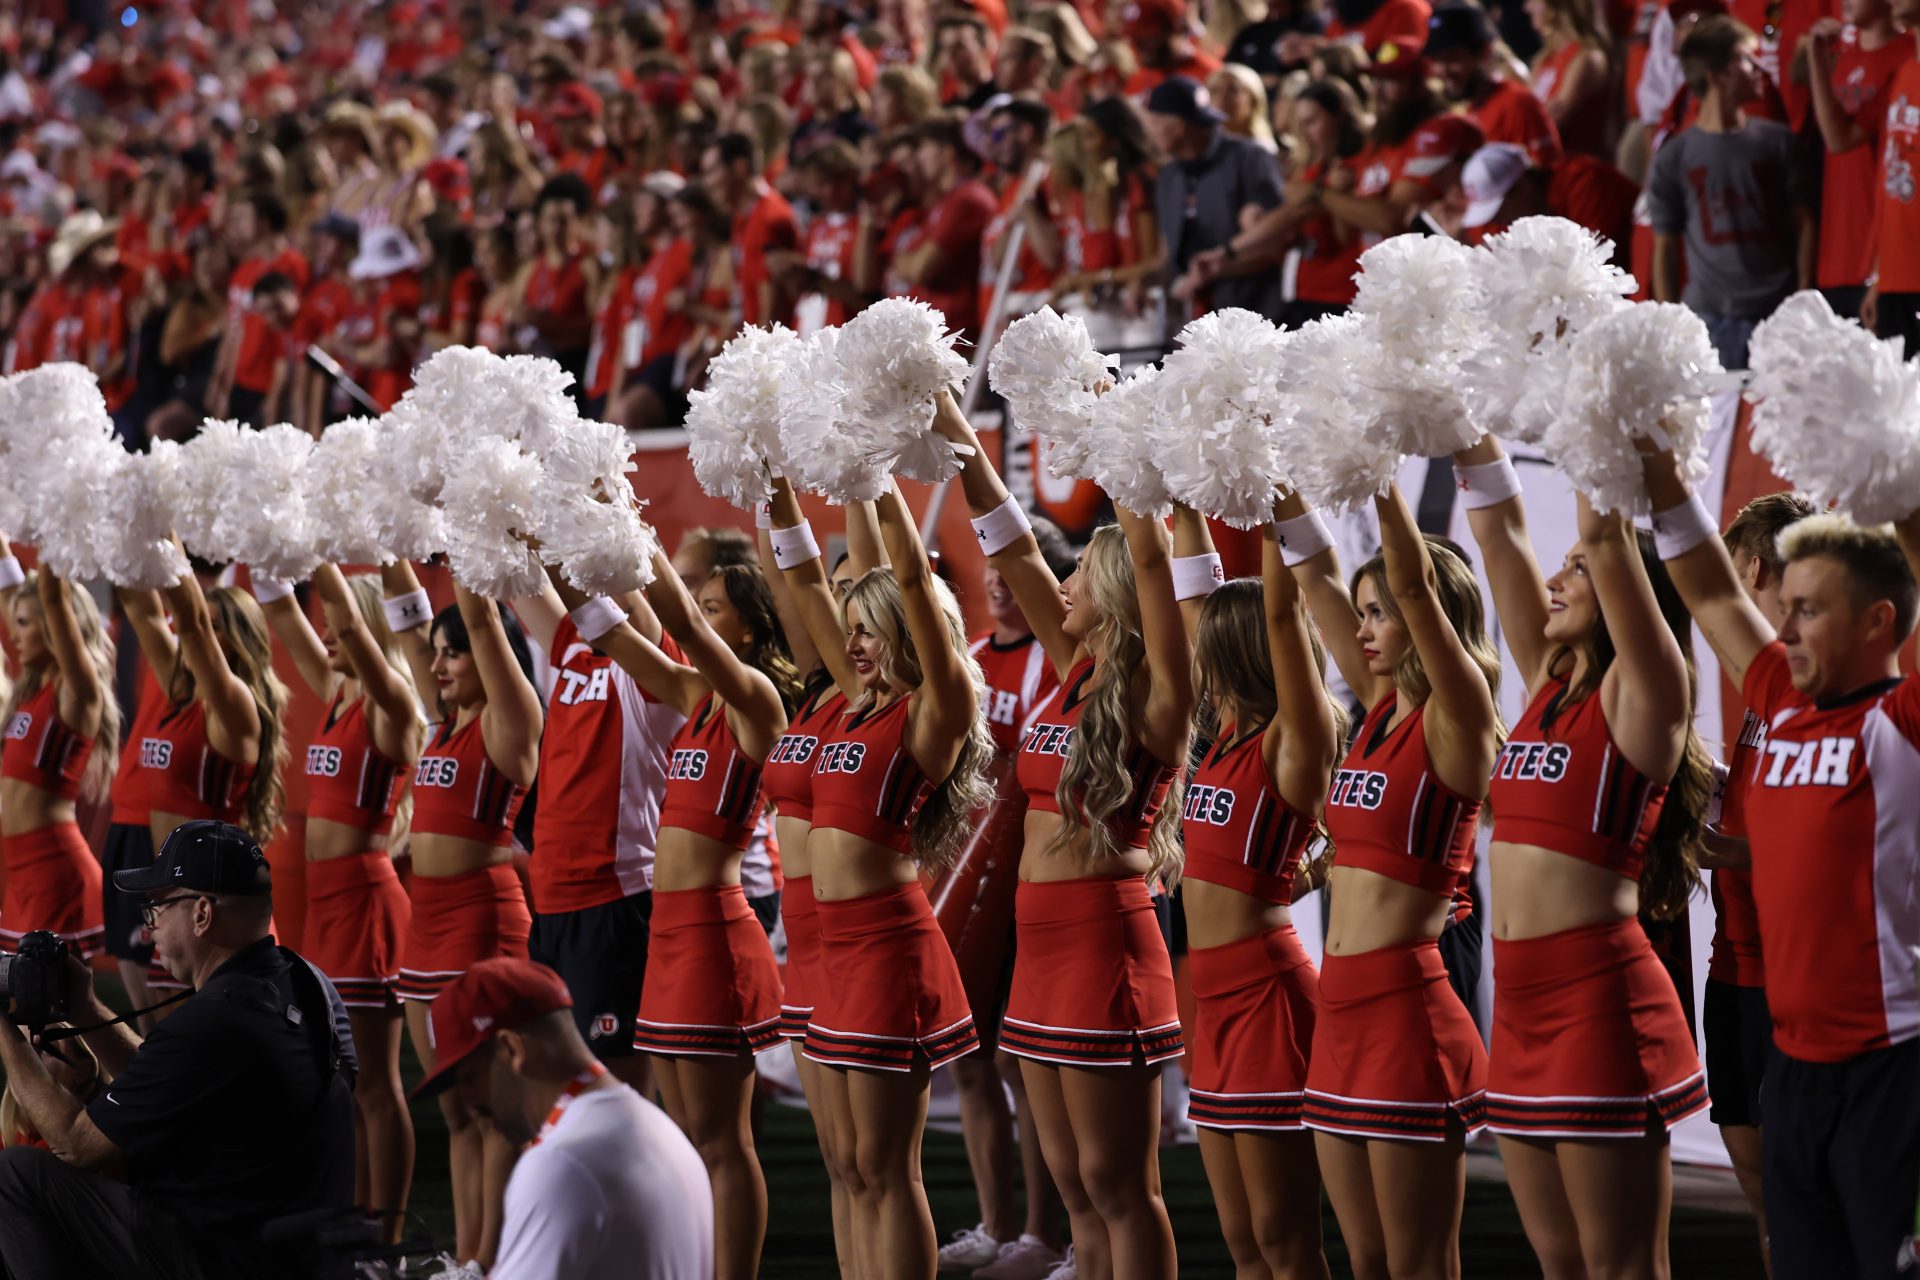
x=1092, y=1013
x=1241, y=96
x=1574, y=74
x=357, y=912
x=62, y=730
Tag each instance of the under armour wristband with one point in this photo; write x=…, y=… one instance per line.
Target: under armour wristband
x=1678, y=530
x=1195, y=577
x=794, y=546
x=11, y=575
x=1302, y=538
x=1717, y=802
x=596, y=617
x=268, y=590
x=1488, y=484
x=1001, y=527
x=404, y=613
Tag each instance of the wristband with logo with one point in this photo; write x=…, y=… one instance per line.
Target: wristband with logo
x=1488, y=484
x=596, y=617
x=404, y=613
x=1302, y=538
x=794, y=546
x=1001, y=527
x=1195, y=577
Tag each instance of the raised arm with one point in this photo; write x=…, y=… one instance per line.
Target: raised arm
x=1500, y=529
x=385, y=688
x=675, y=683
x=83, y=695
x=754, y=707
x=233, y=718
x=401, y=586
x=1169, y=709
x=7, y=593
x=1324, y=587
x=800, y=642
x=1645, y=692
x=1191, y=538
x=148, y=617
x=821, y=616
x=939, y=719
x=1033, y=585
x=540, y=615
x=511, y=723
x=291, y=627
x=1704, y=574
x=1303, y=725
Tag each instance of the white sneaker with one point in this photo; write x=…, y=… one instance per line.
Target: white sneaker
x=969, y=1250
x=1028, y=1258
x=1066, y=1270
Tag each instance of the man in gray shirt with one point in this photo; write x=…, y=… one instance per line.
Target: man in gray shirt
x=1210, y=177
x=1731, y=187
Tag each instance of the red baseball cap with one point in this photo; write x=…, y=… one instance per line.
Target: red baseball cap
x=447, y=176
x=1151, y=17
x=575, y=101
x=499, y=994
x=1398, y=61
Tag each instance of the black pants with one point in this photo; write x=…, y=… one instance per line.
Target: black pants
x=1900, y=318
x=62, y=1223
x=1461, y=949
x=1840, y=1162
x=601, y=954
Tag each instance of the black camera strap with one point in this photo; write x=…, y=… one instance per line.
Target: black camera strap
x=69, y=1033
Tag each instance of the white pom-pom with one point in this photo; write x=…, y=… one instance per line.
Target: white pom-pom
x=341, y=479
x=1419, y=298
x=1047, y=369
x=208, y=464
x=1837, y=411
x=733, y=425
x=824, y=448
x=141, y=552
x=590, y=526
x=898, y=356
x=1215, y=439
x=265, y=523
x=461, y=394
x=1340, y=449
x=1646, y=370
x=1542, y=281
x=489, y=498
x=1118, y=451
x=47, y=415
x=75, y=512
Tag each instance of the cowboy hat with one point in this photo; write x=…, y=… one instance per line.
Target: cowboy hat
x=77, y=237
x=420, y=131
x=352, y=117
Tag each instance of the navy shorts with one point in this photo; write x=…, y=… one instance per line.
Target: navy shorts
x=601, y=954
x=1739, y=1041
x=127, y=847
x=1840, y=1162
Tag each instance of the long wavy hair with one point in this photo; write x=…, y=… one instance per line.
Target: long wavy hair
x=1459, y=593
x=767, y=650
x=1672, y=870
x=1095, y=785
x=98, y=776
x=245, y=641
x=946, y=816
x=370, y=600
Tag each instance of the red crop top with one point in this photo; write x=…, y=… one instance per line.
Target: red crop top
x=458, y=792
x=1387, y=812
x=185, y=775
x=130, y=802
x=41, y=750
x=1043, y=755
x=348, y=780
x=865, y=780
x=713, y=789
x=787, y=777
x=1561, y=784
x=1239, y=833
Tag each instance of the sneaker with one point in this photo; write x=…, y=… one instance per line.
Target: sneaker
x=1028, y=1258
x=969, y=1250
x=1066, y=1270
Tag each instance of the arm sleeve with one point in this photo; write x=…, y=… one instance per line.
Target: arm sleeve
x=553, y=1222
x=1260, y=178
x=178, y=1073
x=1903, y=708
x=1666, y=195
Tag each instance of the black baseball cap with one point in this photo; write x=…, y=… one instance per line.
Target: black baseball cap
x=1458, y=26
x=205, y=856
x=1183, y=99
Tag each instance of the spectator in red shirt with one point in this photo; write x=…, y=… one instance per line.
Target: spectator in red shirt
x=1460, y=48
x=824, y=275
x=386, y=277
x=276, y=301
x=555, y=315
x=332, y=243
x=249, y=355
x=1102, y=173
x=1163, y=43
x=1502, y=186
x=963, y=61
x=763, y=221
x=1573, y=76
x=582, y=149
x=1369, y=24
x=943, y=269
x=1016, y=139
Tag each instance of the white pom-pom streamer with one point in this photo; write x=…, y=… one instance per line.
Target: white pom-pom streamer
x=490, y=498
x=590, y=526
x=341, y=480
x=1119, y=452
x=1419, y=298
x=898, y=355
x=48, y=415
x=1047, y=369
x=1340, y=450
x=141, y=552
x=1837, y=411
x=818, y=437
x=74, y=513
x=733, y=425
x=1215, y=439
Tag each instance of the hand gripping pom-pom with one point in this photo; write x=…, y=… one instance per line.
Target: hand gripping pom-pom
x=1418, y=297
x=1216, y=439
x=1837, y=411
x=1341, y=450
x=590, y=526
x=140, y=551
x=1119, y=450
x=898, y=356
x=733, y=425
x=490, y=499
x=342, y=475
x=1647, y=370
x=1047, y=369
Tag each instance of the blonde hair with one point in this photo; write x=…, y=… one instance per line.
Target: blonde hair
x=913, y=89
x=249, y=654
x=1073, y=44
x=1876, y=567
x=1459, y=593
x=1095, y=784
x=1228, y=18
x=98, y=777
x=1070, y=158
x=1259, y=128
x=946, y=815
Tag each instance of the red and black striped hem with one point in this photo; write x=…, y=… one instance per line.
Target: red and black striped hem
x=1404, y=1121
x=1279, y=1112
x=86, y=944
x=674, y=1040
x=367, y=993
x=415, y=985
x=1079, y=1047
x=793, y=1022
x=889, y=1053
x=1575, y=1117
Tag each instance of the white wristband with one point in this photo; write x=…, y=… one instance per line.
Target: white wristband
x=1717, y=803
x=1488, y=484
x=11, y=574
x=1001, y=527
x=596, y=617
x=1195, y=577
x=268, y=590
x=763, y=515
x=1678, y=530
x=1302, y=538
x=794, y=546
x=404, y=613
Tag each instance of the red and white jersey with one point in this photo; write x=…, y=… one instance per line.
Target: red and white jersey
x=1832, y=810
x=1737, y=959
x=1019, y=681
x=603, y=770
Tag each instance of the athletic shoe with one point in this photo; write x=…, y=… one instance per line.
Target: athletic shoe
x=970, y=1250
x=1066, y=1270
x=1028, y=1258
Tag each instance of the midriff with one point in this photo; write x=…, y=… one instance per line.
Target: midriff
x=846, y=866
x=1370, y=911
x=327, y=840
x=1217, y=915
x=437, y=855
x=1076, y=861
x=1537, y=892
x=796, y=859
x=684, y=859
x=25, y=807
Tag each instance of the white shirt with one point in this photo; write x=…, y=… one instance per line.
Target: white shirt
x=614, y=1191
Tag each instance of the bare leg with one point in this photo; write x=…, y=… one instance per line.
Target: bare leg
x=1230, y=1202
x=497, y=1158
x=1421, y=1188
x=1091, y=1251
x=828, y=1129
x=1348, y=1172
x=1282, y=1181
x=635, y=1070
x=382, y=1122
x=463, y=1144
x=1533, y=1173
x=1743, y=1146
x=1044, y=1213
x=889, y=1111
x=1622, y=1195
x=986, y=1125
x=715, y=1102
x=1115, y=1114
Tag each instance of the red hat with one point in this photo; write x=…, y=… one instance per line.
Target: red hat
x=1154, y=17
x=1398, y=61
x=575, y=101
x=1454, y=136
x=447, y=176
x=499, y=994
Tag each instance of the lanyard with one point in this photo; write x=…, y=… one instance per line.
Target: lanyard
x=575, y=1087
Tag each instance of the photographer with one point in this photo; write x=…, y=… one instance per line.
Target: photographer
x=235, y=1112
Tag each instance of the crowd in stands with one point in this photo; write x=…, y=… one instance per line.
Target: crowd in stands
x=195, y=199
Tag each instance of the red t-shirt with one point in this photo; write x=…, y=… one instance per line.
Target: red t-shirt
x=1584, y=130
x=1780, y=25
x=259, y=347
x=105, y=333
x=1197, y=66
x=1509, y=112
x=956, y=224
x=398, y=295
x=1737, y=959
x=1897, y=212
x=660, y=331
x=591, y=165
x=608, y=324
x=768, y=224
x=1019, y=680
x=903, y=234
x=49, y=313
x=557, y=291
x=1860, y=82
x=458, y=310
x=1029, y=273
x=1404, y=22
x=1325, y=268
x=1420, y=159
x=1594, y=194
x=326, y=303
x=833, y=240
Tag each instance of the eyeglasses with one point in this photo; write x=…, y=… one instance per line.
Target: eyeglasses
x=150, y=911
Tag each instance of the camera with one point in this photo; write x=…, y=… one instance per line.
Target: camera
x=33, y=980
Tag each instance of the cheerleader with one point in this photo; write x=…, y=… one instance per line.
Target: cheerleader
x=357, y=912
x=62, y=733
x=711, y=997
x=896, y=779
x=472, y=775
x=1598, y=797
x=1251, y=810
x=1397, y=1071
x=1092, y=1012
